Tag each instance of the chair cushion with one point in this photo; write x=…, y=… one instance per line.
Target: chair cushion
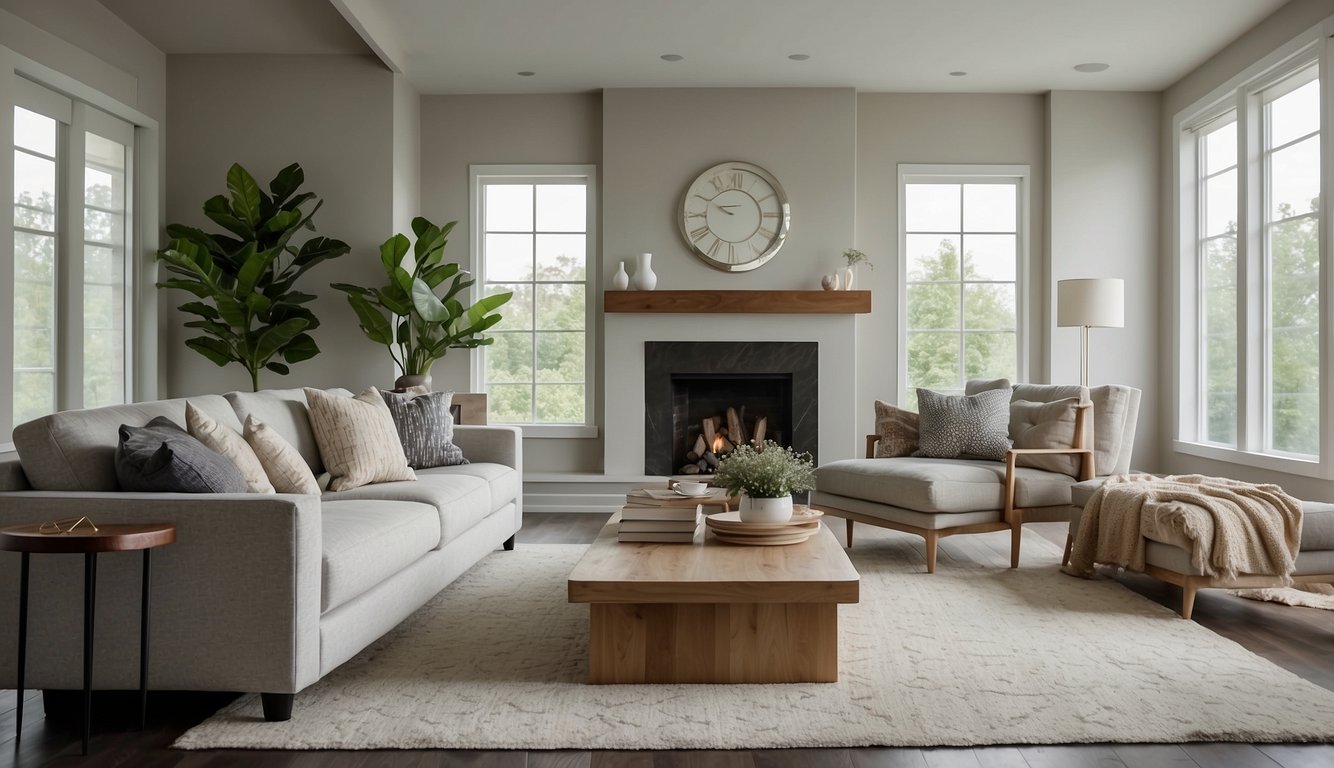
x=940, y=485
x=503, y=481
x=963, y=425
x=366, y=542
x=1317, y=526
x=460, y=500
x=897, y=430
x=1045, y=425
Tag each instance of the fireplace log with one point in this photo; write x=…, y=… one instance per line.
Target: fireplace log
x=692, y=457
x=761, y=426
x=727, y=446
x=736, y=431
x=690, y=469
x=702, y=464
x=700, y=447
x=710, y=458
x=710, y=428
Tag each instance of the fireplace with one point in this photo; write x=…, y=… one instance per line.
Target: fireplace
x=719, y=393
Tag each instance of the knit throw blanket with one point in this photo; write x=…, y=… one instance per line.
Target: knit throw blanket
x=1232, y=527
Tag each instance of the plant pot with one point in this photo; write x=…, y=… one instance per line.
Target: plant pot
x=759, y=510
x=402, y=383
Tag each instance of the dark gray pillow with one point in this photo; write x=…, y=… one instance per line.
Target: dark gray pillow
x=160, y=457
x=426, y=428
x=951, y=426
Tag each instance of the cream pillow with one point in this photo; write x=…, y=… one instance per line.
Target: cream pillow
x=288, y=472
x=357, y=438
x=216, y=437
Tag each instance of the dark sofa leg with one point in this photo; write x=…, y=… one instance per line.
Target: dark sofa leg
x=509, y=543
x=277, y=706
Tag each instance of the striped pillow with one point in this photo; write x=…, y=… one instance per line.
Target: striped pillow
x=357, y=438
x=426, y=428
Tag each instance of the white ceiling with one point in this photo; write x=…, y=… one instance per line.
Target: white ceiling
x=478, y=46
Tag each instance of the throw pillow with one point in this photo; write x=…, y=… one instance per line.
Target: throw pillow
x=975, y=386
x=160, y=457
x=975, y=426
x=357, y=438
x=1045, y=425
x=897, y=430
x=218, y=438
x=282, y=462
x=425, y=428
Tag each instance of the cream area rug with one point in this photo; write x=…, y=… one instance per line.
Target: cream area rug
x=1306, y=595
x=970, y=655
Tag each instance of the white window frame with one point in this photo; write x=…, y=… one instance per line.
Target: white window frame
x=1020, y=176
x=479, y=175
x=1242, y=93
x=17, y=73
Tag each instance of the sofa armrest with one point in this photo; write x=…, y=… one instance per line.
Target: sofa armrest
x=236, y=600
x=492, y=444
x=1085, y=469
x=11, y=475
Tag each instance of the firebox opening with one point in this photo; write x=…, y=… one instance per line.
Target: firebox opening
x=713, y=413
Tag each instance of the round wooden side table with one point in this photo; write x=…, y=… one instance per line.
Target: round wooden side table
x=29, y=539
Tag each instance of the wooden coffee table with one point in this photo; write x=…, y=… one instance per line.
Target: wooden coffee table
x=711, y=612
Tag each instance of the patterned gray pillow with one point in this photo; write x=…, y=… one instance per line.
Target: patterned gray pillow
x=426, y=428
x=975, y=426
x=160, y=457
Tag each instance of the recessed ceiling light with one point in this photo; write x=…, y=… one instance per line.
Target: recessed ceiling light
x=958, y=73
x=799, y=56
x=1092, y=66
x=671, y=57
x=526, y=73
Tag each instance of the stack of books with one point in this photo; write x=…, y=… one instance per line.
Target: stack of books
x=665, y=517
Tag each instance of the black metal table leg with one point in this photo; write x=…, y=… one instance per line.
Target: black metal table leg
x=143, y=647
x=23, y=642
x=89, y=601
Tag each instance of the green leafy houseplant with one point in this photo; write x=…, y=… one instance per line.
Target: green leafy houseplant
x=855, y=257
x=248, y=310
x=418, y=325
x=769, y=472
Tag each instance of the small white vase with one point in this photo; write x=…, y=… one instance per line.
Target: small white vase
x=644, y=278
x=848, y=275
x=756, y=510
x=620, y=281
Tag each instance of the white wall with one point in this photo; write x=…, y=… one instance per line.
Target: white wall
x=894, y=128
x=1290, y=20
x=335, y=116
x=407, y=155
x=1103, y=192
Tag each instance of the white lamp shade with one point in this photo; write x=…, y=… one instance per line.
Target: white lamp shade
x=1092, y=302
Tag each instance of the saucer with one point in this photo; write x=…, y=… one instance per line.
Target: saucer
x=700, y=495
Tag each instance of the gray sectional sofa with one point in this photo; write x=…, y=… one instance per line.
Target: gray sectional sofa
x=261, y=592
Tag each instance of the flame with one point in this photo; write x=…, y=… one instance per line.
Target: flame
x=717, y=444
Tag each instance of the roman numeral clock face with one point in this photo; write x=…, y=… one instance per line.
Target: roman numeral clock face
x=735, y=216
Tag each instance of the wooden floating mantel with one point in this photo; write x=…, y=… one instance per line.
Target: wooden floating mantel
x=740, y=302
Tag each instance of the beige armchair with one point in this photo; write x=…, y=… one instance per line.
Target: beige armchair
x=934, y=498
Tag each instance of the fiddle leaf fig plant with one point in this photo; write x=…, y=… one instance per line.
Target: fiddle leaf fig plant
x=418, y=324
x=248, y=309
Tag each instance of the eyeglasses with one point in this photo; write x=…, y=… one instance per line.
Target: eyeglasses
x=52, y=527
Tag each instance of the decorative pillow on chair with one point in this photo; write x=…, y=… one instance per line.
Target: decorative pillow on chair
x=1045, y=425
x=357, y=438
x=976, y=426
x=218, y=438
x=160, y=457
x=282, y=462
x=897, y=430
x=425, y=428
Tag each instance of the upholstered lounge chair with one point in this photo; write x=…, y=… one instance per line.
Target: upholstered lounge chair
x=933, y=498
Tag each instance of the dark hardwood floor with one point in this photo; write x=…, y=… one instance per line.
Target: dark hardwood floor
x=1298, y=639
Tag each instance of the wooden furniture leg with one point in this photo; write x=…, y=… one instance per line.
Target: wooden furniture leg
x=1188, y=591
x=1069, y=546
x=932, y=540
x=1016, y=536
x=849, y=534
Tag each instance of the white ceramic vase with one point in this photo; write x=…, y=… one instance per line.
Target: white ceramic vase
x=644, y=279
x=620, y=281
x=848, y=276
x=756, y=510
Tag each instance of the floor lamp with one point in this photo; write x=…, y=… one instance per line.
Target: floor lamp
x=1090, y=303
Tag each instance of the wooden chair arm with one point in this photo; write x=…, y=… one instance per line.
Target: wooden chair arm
x=1085, y=468
x=871, y=440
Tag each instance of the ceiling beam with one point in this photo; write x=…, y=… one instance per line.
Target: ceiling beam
x=368, y=19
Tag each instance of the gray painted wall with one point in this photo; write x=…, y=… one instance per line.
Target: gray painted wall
x=335, y=116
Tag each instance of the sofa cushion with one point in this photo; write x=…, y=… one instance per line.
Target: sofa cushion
x=425, y=428
x=357, y=438
x=160, y=457
x=897, y=430
x=1045, y=425
x=1317, y=526
x=284, y=411
x=963, y=425
x=76, y=450
x=940, y=485
x=462, y=501
x=227, y=442
x=366, y=542
x=502, y=480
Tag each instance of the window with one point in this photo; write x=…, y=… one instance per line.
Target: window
x=533, y=235
x=1250, y=264
x=963, y=253
x=71, y=235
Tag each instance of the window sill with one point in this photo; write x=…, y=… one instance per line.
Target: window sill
x=567, y=431
x=1292, y=466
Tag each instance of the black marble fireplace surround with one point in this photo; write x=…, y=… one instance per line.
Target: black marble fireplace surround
x=685, y=381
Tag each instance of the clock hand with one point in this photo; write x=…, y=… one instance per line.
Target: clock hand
x=724, y=208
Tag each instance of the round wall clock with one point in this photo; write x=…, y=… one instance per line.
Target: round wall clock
x=735, y=216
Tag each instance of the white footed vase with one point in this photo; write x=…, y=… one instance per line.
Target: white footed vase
x=620, y=281
x=757, y=510
x=644, y=278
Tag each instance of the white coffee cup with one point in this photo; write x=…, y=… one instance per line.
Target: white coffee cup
x=691, y=488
